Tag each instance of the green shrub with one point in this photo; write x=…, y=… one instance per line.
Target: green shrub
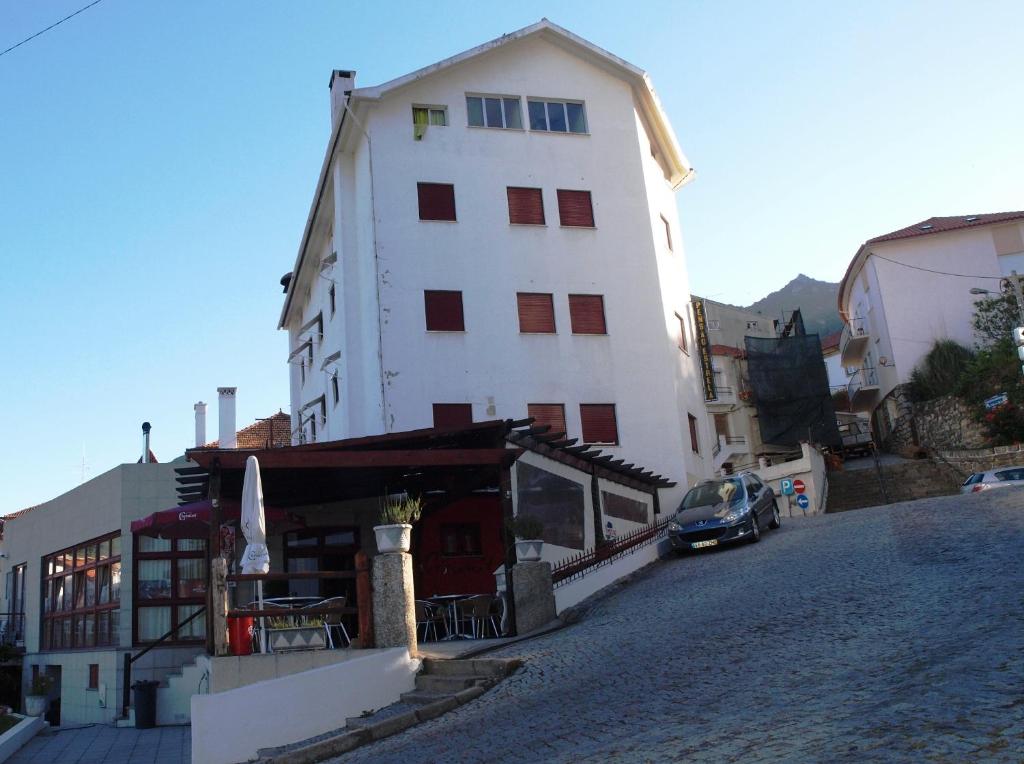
x=940, y=372
x=399, y=510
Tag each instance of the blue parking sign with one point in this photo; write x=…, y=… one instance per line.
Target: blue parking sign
x=787, y=486
x=802, y=501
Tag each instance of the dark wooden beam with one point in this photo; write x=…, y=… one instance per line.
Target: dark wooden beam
x=291, y=459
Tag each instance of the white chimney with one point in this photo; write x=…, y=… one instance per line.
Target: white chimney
x=200, y=409
x=342, y=82
x=145, y=442
x=226, y=414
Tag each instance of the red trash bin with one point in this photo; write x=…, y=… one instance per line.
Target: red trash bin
x=240, y=634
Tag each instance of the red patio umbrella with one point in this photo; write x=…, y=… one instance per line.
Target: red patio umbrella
x=192, y=521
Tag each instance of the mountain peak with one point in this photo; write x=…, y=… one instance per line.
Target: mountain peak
x=815, y=299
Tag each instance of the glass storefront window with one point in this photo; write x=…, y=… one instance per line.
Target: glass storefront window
x=81, y=608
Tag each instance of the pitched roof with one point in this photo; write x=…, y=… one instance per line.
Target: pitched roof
x=830, y=342
x=272, y=432
x=924, y=228
x=649, y=105
x=941, y=225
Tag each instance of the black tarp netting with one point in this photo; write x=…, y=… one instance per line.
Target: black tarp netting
x=790, y=385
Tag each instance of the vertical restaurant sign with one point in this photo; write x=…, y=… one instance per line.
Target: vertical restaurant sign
x=707, y=371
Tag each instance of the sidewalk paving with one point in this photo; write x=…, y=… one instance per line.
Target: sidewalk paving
x=103, y=744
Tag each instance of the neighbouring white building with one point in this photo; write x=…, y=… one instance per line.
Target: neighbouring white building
x=906, y=289
x=495, y=236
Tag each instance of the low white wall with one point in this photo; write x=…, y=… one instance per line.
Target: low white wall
x=576, y=591
x=810, y=468
x=12, y=740
x=231, y=726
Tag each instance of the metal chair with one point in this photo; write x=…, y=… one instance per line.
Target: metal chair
x=333, y=620
x=477, y=610
x=427, y=616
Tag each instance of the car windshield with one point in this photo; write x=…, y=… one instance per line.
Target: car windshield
x=714, y=492
x=975, y=478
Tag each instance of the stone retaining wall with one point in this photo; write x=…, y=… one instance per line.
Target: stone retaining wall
x=982, y=459
x=948, y=422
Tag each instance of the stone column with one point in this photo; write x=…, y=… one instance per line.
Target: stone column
x=534, y=595
x=394, y=609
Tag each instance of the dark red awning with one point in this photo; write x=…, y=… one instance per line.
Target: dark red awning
x=192, y=521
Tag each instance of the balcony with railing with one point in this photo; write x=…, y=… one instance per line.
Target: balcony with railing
x=862, y=389
x=854, y=341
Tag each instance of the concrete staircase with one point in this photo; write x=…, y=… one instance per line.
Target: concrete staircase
x=907, y=481
x=174, y=695
x=441, y=686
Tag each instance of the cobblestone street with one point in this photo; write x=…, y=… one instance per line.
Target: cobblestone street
x=886, y=634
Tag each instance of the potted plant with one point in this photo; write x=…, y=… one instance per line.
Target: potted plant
x=528, y=531
x=284, y=634
x=397, y=514
x=38, y=696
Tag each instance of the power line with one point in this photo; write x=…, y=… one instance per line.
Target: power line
x=55, y=24
x=941, y=273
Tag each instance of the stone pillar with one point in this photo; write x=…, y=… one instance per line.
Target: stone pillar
x=534, y=595
x=394, y=609
x=219, y=601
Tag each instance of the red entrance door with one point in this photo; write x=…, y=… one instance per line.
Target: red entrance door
x=458, y=548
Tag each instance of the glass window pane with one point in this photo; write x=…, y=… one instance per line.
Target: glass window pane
x=419, y=115
x=90, y=587
x=47, y=596
x=147, y=544
x=475, y=110
x=49, y=567
x=115, y=546
x=492, y=108
x=154, y=579
x=89, y=631
x=194, y=629
x=115, y=582
x=577, y=119
x=65, y=632
x=303, y=539
x=67, y=591
x=154, y=622
x=58, y=564
x=556, y=116
x=115, y=625
x=340, y=538
x=191, y=545
x=191, y=578
x=538, y=118
x=103, y=573
x=103, y=628
x=104, y=550
x=513, y=116
x=90, y=553
x=303, y=587
x=79, y=591
x=438, y=117
x=80, y=556
x=79, y=628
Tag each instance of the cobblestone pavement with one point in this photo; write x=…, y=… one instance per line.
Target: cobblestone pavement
x=104, y=744
x=886, y=634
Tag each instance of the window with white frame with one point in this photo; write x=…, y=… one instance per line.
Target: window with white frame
x=557, y=116
x=435, y=116
x=494, y=111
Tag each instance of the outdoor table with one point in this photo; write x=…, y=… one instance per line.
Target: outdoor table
x=451, y=602
x=292, y=602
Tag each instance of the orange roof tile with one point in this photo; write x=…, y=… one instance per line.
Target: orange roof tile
x=272, y=432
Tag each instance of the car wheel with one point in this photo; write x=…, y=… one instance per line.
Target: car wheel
x=755, y=529
x=776, y=517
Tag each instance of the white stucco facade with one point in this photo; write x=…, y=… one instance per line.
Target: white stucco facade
x=902, y=294
x=365, y=243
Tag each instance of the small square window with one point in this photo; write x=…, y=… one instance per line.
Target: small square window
x=598, y=423
x=525, y=206
x=551, y=414
x=444, y=311
x=575, y=208
x=586, y=314
x=436, y=201
x=434, y=116
x=536, y=313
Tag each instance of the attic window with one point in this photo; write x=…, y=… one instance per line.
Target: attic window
x=972, y=218
x=926, y=227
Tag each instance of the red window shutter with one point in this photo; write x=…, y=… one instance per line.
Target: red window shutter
x=586, y=312
x=598, y=423
x=575, y=208
x=437, y=201
x=444, y=311
x=536, y=312
x=547, y=413
x=453, y=414
x=525, y=205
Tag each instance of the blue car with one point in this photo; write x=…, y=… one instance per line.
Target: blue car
x=723, y=511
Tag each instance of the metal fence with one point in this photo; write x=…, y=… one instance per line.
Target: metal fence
x=588, y=560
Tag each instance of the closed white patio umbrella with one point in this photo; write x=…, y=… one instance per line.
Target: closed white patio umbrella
x=256, y=558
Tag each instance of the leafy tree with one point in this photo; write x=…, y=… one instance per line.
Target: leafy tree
x=995, y=318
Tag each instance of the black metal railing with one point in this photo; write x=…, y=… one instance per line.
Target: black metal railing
x=588, y=560
x=12, y=628
x=129, y=659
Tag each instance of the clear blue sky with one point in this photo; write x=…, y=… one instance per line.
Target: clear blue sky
x=157, y=161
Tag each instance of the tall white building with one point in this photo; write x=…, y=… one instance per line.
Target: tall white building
x=495, y=236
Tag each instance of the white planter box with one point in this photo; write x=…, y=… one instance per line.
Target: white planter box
x=529, y=550
x=393, y=538
x=297, y=638
x=35, y=705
